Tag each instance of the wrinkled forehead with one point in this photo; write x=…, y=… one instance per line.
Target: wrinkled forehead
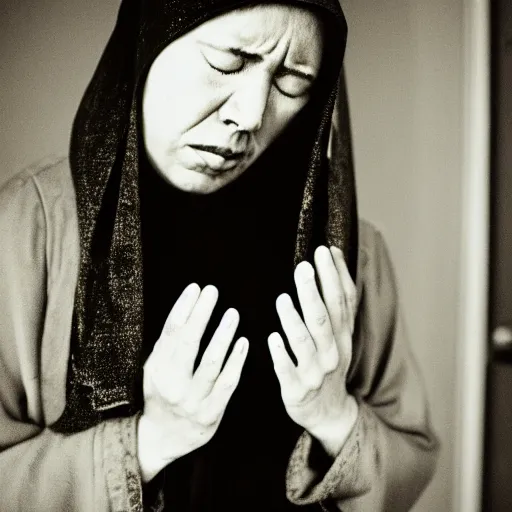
x=260, y=29
x=165, y=21
x=274, y=17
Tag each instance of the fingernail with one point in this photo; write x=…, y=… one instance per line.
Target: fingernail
x=243, y=344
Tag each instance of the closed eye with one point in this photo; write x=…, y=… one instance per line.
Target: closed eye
x=224, y=61
x=293, y=84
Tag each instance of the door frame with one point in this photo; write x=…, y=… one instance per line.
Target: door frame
x=473, y=329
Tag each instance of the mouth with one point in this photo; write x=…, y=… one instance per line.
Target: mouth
x=226, y=153
x=218, y=159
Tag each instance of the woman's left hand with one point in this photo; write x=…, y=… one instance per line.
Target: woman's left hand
x=314, y=392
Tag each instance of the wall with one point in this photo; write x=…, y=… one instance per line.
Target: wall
x=48, y=52
x=404, y=74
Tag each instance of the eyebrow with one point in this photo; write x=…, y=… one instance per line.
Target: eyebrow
x=257, y=58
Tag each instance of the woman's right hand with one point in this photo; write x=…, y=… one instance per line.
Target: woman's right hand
x=183, y=408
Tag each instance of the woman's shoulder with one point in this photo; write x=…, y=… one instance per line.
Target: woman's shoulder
x=38, y=201
x=46, y=176
x=375, y=267
x=370, y=236
x=372, y=245
x=45, y=185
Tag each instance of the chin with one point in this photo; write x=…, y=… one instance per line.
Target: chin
x=196, y=182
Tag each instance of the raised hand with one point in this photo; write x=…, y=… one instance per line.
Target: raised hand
x=314, y=392
x=183, y=408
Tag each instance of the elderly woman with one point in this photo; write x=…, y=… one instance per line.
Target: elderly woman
x=198, y=214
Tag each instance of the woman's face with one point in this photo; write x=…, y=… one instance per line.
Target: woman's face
x=217, y=97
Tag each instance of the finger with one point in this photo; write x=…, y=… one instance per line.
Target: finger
x=213, y=357
x=332, y=290
x=345, y=348
x=200, y=315
x=346, y=279
x=336, y=303
x=347, y=284
x=313, y=308
x=228, y=379
x=185, y=349
x=182, y=309
x=283, y=365
x=296, y=331
x=177, y=318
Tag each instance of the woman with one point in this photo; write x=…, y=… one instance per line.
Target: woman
x=198, y=158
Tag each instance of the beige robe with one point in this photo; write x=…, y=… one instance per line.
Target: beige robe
x=384, y=465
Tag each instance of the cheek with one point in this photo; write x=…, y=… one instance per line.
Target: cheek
x=281, y=110
x=178, y=95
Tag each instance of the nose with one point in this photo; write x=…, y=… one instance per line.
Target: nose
x=247, y=104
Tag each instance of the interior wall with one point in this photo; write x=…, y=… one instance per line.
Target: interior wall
x=48, y=52
x=404, y=70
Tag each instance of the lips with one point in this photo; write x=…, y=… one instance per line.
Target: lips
x=226, y=153
x=217, y=160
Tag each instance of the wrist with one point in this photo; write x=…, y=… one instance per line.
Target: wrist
x=333, y=432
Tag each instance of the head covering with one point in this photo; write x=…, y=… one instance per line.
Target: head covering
x=104, y=375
